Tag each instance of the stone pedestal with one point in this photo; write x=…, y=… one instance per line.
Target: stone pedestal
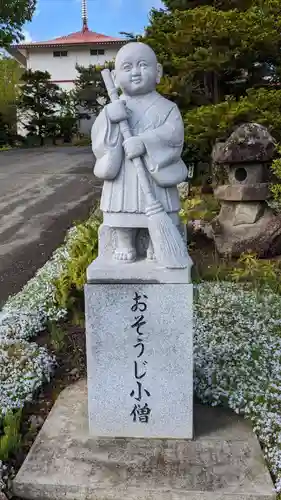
x=139, y=350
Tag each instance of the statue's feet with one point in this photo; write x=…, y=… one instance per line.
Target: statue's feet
x=125, y=255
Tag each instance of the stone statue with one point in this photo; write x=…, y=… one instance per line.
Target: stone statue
x=158, y=136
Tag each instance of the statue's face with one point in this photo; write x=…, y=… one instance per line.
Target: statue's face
x=136, y=69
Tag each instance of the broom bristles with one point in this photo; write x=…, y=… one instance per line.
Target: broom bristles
x=169, y=247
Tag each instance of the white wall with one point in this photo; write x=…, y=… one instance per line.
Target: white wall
x=63, y=68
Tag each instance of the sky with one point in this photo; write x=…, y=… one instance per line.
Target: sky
x=54, y=18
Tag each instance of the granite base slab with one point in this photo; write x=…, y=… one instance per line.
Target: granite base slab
x=223, y=462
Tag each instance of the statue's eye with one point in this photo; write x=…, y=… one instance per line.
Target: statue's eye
x=143, y=64
x=126, y=67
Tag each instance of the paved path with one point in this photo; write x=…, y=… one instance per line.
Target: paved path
x=42, y=191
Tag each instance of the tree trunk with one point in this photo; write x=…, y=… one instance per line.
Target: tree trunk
x=206, y=87
x=216, y=97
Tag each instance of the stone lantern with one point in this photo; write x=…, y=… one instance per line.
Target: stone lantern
x=246, y=223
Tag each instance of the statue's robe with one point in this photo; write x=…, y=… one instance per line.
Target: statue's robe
x=159, y=124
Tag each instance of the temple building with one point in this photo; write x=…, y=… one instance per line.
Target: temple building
x=61, y=55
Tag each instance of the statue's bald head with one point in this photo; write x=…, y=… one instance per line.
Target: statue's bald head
x=134, y=50
x=136, y=69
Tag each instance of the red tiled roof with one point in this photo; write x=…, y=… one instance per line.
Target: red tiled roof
x=80, y=37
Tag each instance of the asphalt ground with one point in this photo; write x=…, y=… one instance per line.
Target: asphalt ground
x=42, y=192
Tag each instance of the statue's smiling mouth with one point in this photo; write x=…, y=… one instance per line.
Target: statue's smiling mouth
x=136, y=80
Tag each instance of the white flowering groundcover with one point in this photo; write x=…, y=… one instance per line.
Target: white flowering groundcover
x=237, y=349
x=24, y=366
x=237, y=358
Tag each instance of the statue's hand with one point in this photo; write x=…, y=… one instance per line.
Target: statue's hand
x=117, y=111
x=134, y=147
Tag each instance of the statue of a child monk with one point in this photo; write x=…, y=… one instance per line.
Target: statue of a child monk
x=158, y=136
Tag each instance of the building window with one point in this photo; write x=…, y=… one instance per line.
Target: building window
x=60, y=53
x=97, y=52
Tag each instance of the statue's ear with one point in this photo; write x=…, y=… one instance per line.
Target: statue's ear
x=114, y=78
x=159, y=72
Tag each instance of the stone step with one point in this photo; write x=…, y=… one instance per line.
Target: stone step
x=224, y=461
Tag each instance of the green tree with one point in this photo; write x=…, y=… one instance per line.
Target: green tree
x=13, y=15
x=10, y=73
x=222, y=66
x=39, y=103
x=218, y=4
x=130, y=36
x=90, y=93
x=68, y=117
x=64, y=123
x=209, y=53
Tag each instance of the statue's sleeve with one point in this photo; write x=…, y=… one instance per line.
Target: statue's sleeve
x=164, y=148
x=107, y=147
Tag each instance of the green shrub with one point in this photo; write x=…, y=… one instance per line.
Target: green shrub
x=57, y=336
x=83, y=250
x=207, y=124
x=10, y=436
x=258, y=271
x=199, y=206
x=276, y=187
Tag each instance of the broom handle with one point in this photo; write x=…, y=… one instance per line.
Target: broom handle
x=126, y=132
